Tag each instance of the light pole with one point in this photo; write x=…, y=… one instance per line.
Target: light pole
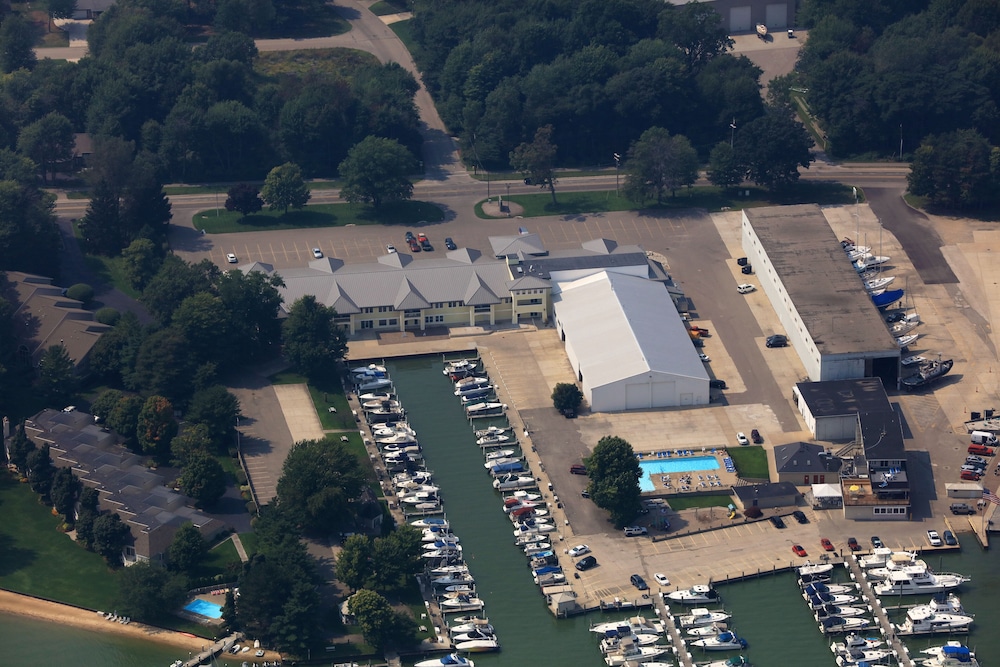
x=732, y=134
x=618, y=162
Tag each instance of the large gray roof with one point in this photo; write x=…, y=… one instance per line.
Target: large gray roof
x=827, y=292
x=836, y=398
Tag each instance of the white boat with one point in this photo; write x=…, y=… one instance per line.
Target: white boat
x=707, y=630
x=421, y=497
x=371, y=369
x=492, y=430
x=952, y=654
x=450, y=660
x=947, y=603
x=492, y=440
x=629, y=653
x=430, y=522
x=499, y=454
x=442, y=544
x=701, y=616
x=417, y=477
x=374, y=385
x=913, y=360
x=460, y=366
x=854, y=641
x=857, y=252
x=916, y=581
x=735, y=661
x=461, y=603
x=479, y=646
x=364, y=398
x=881, y=282
x=510, y=482
x=430, y=490
x=862, y=265
x=834, y=624
x=819, y=599
x=815, y=568
x=535, y=529
x=840, y=610
x=835, y=589
x=550, y=579
x=877, y=558
x=724, y=641
x=536, y=548
x=373, y=405
x=924, y=621
x=635, y=625
x=445, y=570
x=900, y=328
x=903, y=341
x=478, y=632
x=485, y=408
x=613, y=641
x=470, y=383
x=433, y=535
x=528, y=504
x=697, y=594
x=525, y=540
x=501, y=461
x=862, y=656
x=468, y=625
x=454, y=580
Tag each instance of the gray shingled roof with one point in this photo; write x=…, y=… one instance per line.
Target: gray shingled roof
x=511, y=246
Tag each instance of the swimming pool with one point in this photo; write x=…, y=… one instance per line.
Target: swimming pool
x=653, y=469
x=204, y=608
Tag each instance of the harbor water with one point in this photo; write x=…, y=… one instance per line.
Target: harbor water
x=767, y=611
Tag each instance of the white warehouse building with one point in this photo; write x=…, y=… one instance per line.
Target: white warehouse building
x=627, y=343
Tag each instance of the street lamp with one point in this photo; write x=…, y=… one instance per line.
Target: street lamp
x=618, y=162
x=732, y=134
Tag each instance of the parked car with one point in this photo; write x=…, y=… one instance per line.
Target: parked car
x=586, y=563
x=578, y=469
x=756, y=437
x=746, y=270
x=826, y=544
x=704, y=357
x=579, y=550
x=950, y=539
x=231, y=258
x=778, y=523
x=877, y=542
x=410, y=237
x=426, y=245
x=799, y=551
x=449, y=244
x=800, y=516
x=317, y=253
x=661, y=579
x=934, y=538
x=635, y=531
x=777, y=340
x=638, y=582
x=389, y=248
x=414, y=246
x=745, y=288
x=962, y=508
x=970, y=476
x=717, y=384
x=421, y=237
x=852, y=544
x=742, y=439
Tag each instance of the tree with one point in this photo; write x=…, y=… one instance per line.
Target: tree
x=955, y=170
x=313, y=342
x=56, y=376
x=48, y=141
x=164, y=365
x=175, y=281
x=124, y=418
x=723, y=168
x=29, y=236
x=772, y=148
x=40, y=472
x=147, y=592
x=194, y=439
x=17, y=43
x=60, y=9
x=354, y=566
x=396, y=559
x=20, y=447
x=284, y=188
x=537, y=160
x=64, y=493
x=102, y=224
x=614, y=479
x=187, y=550
x=217, y=409
x=203, y=479
x=251, y=301
x=381, y=626
x=112, y=359
x=319, y=479
x=566, y=396
x=658, y=162
x=204, y=323
x=87, y=515
x=105, y=403
x=244, y=198
x=140, y=262
x=376, y=171
x=697, y=29
x=156, y=426
x=110, y=535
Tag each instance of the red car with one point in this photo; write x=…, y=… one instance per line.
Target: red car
x=970, y=475
x=799, y=551
x=421, y=237
x=852, y=544
x=827, y=544
x=414, y=246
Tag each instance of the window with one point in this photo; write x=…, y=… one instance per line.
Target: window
x=409, y=314
x=342, y=319
x=529, y=302
x=454, y=304
x=393, y=321
x=482, y=309
x=385, y=309
x=367, y=324
x=367, y=310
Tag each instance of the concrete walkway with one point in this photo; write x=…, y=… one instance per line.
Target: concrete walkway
x=238, y=543
x=300, y=413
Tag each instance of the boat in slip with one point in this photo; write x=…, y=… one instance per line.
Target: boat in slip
x=449, y=570
x=456, y=579
x=365, y=386
x=841, y=610
x=431, y=522
x=815, y=568
x=735, y=661
x=460, y=365
x=724, y=641
x=450, y=660
x=511, y=482
x=636, y=625
x=365, y=398
x=612, y=641
x=485, y=408
x=917, y=581
x=834, y=589
x=475, y=395
x=700, y=616
x=863, y=656
x=499, y=454
x=479, y=646
x=952, y=654
x=470, y=623
x=461, y=603
x=922, y=620
x=496, y=439
x=817, y=600
x=473, y=634
x=370, y=371
x=697, y=594
x=835, y=624
x=630, y=653
x=505, y=460
x=707, y=630
x=468, y=383
x=492, y=430
x=855, y=641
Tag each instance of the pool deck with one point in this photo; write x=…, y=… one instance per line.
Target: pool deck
x=711, y=481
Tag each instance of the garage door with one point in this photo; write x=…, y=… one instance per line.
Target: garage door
x=777, y=16
x=638, y=397
x=739, y=20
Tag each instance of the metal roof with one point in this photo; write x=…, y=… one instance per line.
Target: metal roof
x=511, y=246
x=804, y=457
x=837, y=398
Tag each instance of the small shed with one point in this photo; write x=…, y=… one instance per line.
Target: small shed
x=964, y=490
x=827, y=497
x=780, y=494
x=563, y=603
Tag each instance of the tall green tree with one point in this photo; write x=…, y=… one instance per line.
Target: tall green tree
x=313, y=342
x=284, y=188
x=65, y=491
x=376, y=171
x=203, y=479
x=381, y=625
x=140, y=262
x=87, y=516
x=354, y=565
x=29, y=236
x=697, y=29
x=187, y=550
x=19, y=447
x=217, y=409
x=156, y=426
x=244, y=198
x=102, y=224
x=48, y=141
x=60, y=9
x=724, y=170
x=658, y=163
x=396, y=559
x=566, y=396
x=124, y=418
x=319, y=479
x=194, y=439
x=41, y=471
x=175, y=281
x=164, y=366
x=17, y=43
x=57, y=380
x=537, y=160
x=149, y=593
x=105, y=403
x=772, y=148
x=614, y=479
x=251, y=300
x=957, y=170
x=110, y=535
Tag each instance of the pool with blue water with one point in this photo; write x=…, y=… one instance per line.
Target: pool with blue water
x=653, y=469
x=204, y=608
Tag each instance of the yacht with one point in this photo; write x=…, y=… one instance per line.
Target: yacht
x=828, y=610
x=449, y=570
x=815, y=568
x=456, y=579
x=922, y=620
x=485, y=409
x=853, y=641
x=724, y=641
x=492, y=430
x=450, y=660
x=460, y=366
x=512, y=481
x=629, y=652
x=707, y=630
x=834, y=589
x=916, y=581
x=862, y=656
x=386, y=404
x=373, y=385
x=431, y=522
x=697, y=594
x=523, y=496
x=478, y=632
x=817, y=600
x=479, y=645
x=834, y=624
x=636, y=625
x=461, y=603
x=475, y=394
x=735, y=661
x=702, y=616
x=501, y=461
x=468, y=624
x=952, y=654
x=488, y=440
x=500, y=454
x=364, y=398
x=882, y=555
x=467, y=384
x=613, y=641
x=536, y=548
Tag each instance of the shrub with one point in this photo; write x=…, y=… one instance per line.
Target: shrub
x=81, y=292
x=108, y=316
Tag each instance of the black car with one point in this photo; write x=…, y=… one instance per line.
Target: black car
x=778, y=523
x=638, y=582
x=800, y=517
x=756, y=437
x=717, y=384
x=410, y=237
x=449, y=244
x=877, y=542
x=746, y=270
x=777, y=340
x=586, y=563
x=426, y=245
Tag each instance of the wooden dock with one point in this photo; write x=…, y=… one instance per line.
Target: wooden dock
x=858, y=575
x=674, y=635
x=214, y=650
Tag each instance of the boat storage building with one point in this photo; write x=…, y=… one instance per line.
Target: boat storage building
x=627, y=343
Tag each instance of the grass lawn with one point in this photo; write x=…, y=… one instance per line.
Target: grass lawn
x=342, y=419
x=39, y=560
x=339, y=61
x=404, y=30
x=217, y=221
x=386, y=8
x=249, y=541
x=750, y=461
x=686, y=503
x=499, y=176
x=710, y=198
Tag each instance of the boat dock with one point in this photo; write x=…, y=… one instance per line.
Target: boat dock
x=673, y=633
x=885, y=626
x=214, y=650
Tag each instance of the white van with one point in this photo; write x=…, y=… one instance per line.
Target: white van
x=984, y=438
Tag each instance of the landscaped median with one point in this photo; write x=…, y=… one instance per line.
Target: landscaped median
x=220, y=221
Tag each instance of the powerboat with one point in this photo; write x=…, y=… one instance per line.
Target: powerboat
x=450, y=660
x=948, y=603
x=903, y=341
x=550, y=579
x=834, y=624
x=430, y=491
x=478, y=632
x=431, y=522
x=501, y=469
x=454, y=580
x=364, y=398
x=952, y=654
x=922, y=620
x=806, y=579
x=536, y=528
x=840, y=610
x=384, y=404
x=462, y=603
x=503, y=460
x=916, y=581
x=485, y=409
x=629, y=652
x=371, y=370
x=487, y=440
x=499, y=454
x=735, y=661
x=613, y=641
x=636, y=625
x=834, y=589
x=523, y=496
x=512, y=481
x=879, y=557
x=724, y=641
x=479, y=646
x=467, y=384
x=472, y=624
x=855, y=641
x=928, y=373
x=701, y=616
x=492, y=430
x=443, y=544
x=476, y=394
x=815, y=568
x=460, y=365
x=536, y=548
x=707, y=630
x=912, y=360
x=862, y=656
x=820, y=599
x=373, y=385
x=419, y=497
x=697, y=594
x=446, y=570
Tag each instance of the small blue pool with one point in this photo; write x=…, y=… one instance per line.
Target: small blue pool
x=204, y=608
x=653, y=469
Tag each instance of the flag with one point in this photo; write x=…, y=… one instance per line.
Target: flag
x=991, y=497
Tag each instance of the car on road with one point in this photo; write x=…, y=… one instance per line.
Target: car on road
x=661, y=579
x=414, y=246
x=638, y=582
x=826, y=544
x=586, y=563
x=756, y=437
x=231, y=258
x=585, y=493
x=799, y=551
x=704, y=357
x=579, y=550
x=950, y=539
x=578, y=469
x=745, y=288
x=742, y=439
x=449, y=244
x=877, y=542
x=410, y=237
x=777, y=340
x=717, y=384
x=635, y=531
x=800, y=516
x=389, y=248
x=852, y=544
x=317, y=253
x=777, y=521
x=934, y=538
